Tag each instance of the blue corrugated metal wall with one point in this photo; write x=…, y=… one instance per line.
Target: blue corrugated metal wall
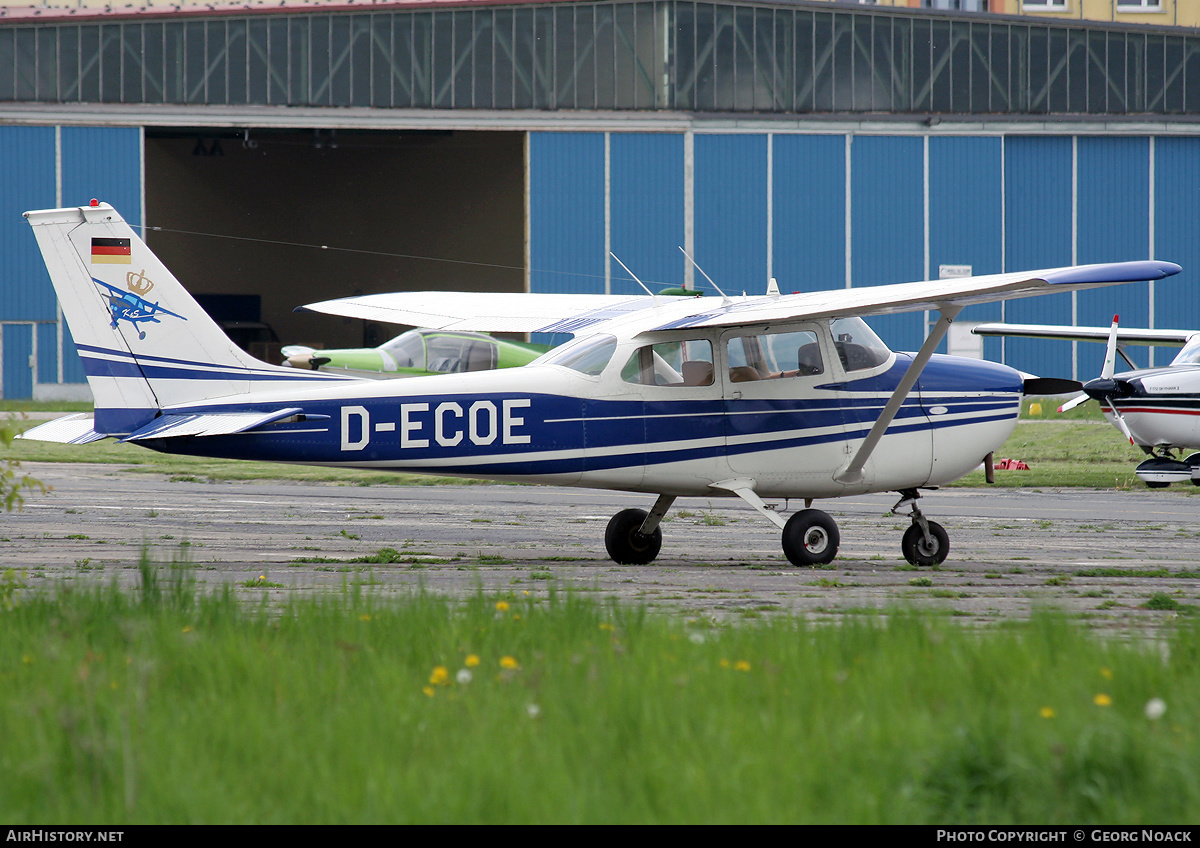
x=1114, y=224
x=566, y=212
x=966, y=223
x=992, y=202
x=731, y=212
x=647, y=209
x=17, y=348
x=887, y=225
x=809, y=212
x=101, y=162
x=1176, y=197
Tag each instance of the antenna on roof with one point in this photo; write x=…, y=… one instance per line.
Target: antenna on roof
x=725, y=301
x=630, y=273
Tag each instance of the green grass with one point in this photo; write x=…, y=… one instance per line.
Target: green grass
x=162, y=705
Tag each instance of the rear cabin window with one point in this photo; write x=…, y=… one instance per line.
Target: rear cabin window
x=677, y=364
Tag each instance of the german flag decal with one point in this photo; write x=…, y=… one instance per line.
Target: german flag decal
x=111, y=251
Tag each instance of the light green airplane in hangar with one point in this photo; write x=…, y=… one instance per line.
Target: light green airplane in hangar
x=418, y=353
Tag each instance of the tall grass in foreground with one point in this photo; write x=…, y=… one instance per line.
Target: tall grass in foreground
x=170, y=706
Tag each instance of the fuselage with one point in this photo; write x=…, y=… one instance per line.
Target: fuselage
x=1161, y=406
x=670, y=414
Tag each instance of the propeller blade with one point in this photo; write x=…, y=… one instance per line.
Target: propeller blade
x=1121, y=423
x=1073, y=402
x=1045, y=386
x=1110, y=355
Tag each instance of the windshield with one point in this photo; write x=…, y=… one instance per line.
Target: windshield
x=1190, y=355
x=587, y=357
x=857, y=345
x=407, y=349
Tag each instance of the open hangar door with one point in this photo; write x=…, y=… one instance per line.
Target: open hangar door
x=258, y=222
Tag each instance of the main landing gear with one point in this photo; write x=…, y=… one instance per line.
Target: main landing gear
x=810, y=536
x=1163, y=469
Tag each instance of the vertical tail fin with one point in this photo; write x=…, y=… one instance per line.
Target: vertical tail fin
x=145, y=342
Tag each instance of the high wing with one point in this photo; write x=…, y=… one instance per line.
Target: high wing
x=570, y=313
x=486, y=312
x=1164, y=338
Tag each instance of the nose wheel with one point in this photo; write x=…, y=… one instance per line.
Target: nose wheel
x=925, y=542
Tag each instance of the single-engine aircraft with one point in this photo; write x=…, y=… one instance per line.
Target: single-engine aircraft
x=418, y=353
x=775, y=396
x=1156, y=409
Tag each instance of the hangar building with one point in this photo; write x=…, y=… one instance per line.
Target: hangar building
x=286, y=154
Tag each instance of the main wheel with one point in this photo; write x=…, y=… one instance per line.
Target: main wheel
x=1194, y=460
x=919, y=552
x=810, y=537
x=625, y=542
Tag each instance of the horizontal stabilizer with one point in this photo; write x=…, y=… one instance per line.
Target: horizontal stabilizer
x=206, y=424
x=70, y=430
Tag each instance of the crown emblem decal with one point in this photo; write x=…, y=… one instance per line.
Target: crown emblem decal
x=138, y=282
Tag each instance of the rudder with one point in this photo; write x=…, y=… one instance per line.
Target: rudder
x=144, y=340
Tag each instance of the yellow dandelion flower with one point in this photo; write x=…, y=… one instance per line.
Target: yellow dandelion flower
x=1106, y=673
x=471, y=661
x=509, y=662
x=440, y=676
x=364, y=617
x=724, y=663
x=502, y=606
x=604, y=625
x=187, y=630
x=1102, y=700
x=741, y=665
x=428, y=690
x=1047, y=712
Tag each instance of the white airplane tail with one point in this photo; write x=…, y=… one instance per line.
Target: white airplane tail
x=146, y=343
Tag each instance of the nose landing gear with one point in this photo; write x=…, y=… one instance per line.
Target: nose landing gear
x=925, y=542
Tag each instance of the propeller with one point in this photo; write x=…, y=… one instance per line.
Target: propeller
x=1106, y=387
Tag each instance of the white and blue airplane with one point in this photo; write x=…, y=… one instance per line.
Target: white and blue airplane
x=1156, y=409
x=769, y=397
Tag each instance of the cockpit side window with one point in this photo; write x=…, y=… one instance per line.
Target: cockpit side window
x=677, y=364
x=590, y=356
x=768, y=356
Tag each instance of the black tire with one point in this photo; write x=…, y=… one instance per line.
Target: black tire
x=918, y=552
x=627, y=546
x=1156, y=484
x=811, y=537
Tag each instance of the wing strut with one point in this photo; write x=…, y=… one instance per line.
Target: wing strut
x=852, y=473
